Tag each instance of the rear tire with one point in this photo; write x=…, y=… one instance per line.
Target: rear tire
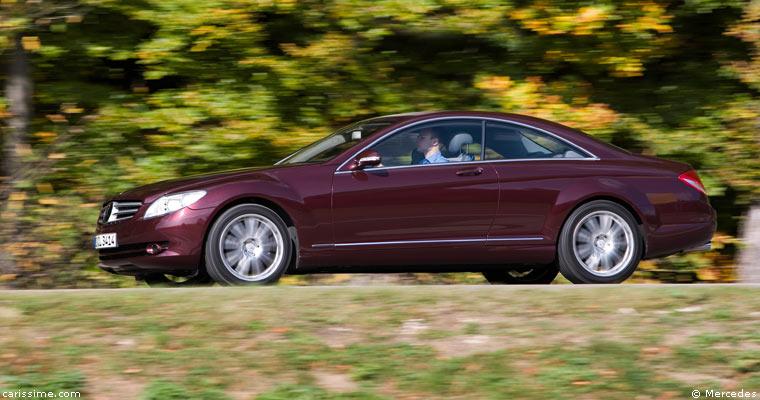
x=600, y=243
x=541, y=275
x=248, y=244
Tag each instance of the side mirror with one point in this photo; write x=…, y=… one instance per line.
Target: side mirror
x=367, y=158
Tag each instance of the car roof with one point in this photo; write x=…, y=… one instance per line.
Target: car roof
x=419, y=115
x=403, y=117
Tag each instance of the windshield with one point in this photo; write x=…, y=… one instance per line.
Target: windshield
x=338, y=142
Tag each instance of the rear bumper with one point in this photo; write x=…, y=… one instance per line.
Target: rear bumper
x=685, y=237
x=705, y=247
x=180, y=234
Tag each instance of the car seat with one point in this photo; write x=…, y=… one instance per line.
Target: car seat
x=456, y=143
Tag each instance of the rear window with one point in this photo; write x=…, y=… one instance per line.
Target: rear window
x=508, y=142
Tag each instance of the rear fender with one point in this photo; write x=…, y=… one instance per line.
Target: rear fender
x=605, y=188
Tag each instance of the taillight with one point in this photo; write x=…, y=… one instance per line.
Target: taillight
x=692, y=179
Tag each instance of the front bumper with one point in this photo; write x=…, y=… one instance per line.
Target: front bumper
x=180, y=234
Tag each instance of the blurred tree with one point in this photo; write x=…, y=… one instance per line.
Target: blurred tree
x=19, y=22
x=18, y=91
x=748, y=29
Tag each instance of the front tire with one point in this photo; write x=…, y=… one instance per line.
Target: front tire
x=200, y=278
x=600, y=243
x=248, y=244
x=541, y=275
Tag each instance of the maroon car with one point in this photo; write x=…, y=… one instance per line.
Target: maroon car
x=514, y=197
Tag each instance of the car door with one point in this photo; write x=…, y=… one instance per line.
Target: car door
x=405, y=204
x=533, y=167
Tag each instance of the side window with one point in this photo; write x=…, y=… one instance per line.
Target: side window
x=507, y=141
x=433, y=143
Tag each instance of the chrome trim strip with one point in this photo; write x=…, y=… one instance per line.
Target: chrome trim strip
x=289, y=155
x=409, y=242
x=705, y=247
x=468, y=163
x=511, y=239
x=129, y=203
x=592, y=158
x=421, y=241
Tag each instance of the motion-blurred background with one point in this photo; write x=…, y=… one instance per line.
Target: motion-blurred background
x=99, y=96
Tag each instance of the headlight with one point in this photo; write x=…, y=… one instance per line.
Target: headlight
x=173, y=202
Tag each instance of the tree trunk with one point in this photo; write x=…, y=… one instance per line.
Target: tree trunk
x=18, y=95
x=749, y=257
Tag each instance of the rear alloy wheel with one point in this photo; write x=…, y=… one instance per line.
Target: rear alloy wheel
x=200, y=278
x=540, y=275
x=600, y=243
x=248, y=244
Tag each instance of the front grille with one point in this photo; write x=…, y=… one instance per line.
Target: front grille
x=115, y=211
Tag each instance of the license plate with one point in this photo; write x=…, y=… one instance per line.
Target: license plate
x=105, y=241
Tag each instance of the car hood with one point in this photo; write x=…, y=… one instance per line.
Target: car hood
x=150, y=192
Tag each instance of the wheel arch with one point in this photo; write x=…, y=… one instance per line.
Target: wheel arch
x=272, y=205
x=617, y=200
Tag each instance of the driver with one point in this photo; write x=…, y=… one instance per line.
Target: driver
x=429, y=145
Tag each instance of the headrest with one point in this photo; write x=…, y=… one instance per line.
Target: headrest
x=459, y=140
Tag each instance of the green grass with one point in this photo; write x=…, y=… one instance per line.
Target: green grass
x=423, y=342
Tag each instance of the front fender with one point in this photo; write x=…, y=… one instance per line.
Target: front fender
x=304, y=197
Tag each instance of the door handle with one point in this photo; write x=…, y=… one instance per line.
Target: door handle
x=470, y=171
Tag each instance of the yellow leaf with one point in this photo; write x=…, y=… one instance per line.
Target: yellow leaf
x=71, y=109
x=708, y=274
x=202, y=30
x=86, y=163
x=200, y=47
x=56, y=117
x=44, y=188
x=48, y=201
x=55, y=156
x=17, y=196
x=125, y=162
x=30, y=42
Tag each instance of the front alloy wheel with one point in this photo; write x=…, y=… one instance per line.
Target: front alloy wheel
x=248, y=244
x=600, y=243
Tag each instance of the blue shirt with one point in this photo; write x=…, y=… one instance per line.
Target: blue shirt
x=434, y=159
